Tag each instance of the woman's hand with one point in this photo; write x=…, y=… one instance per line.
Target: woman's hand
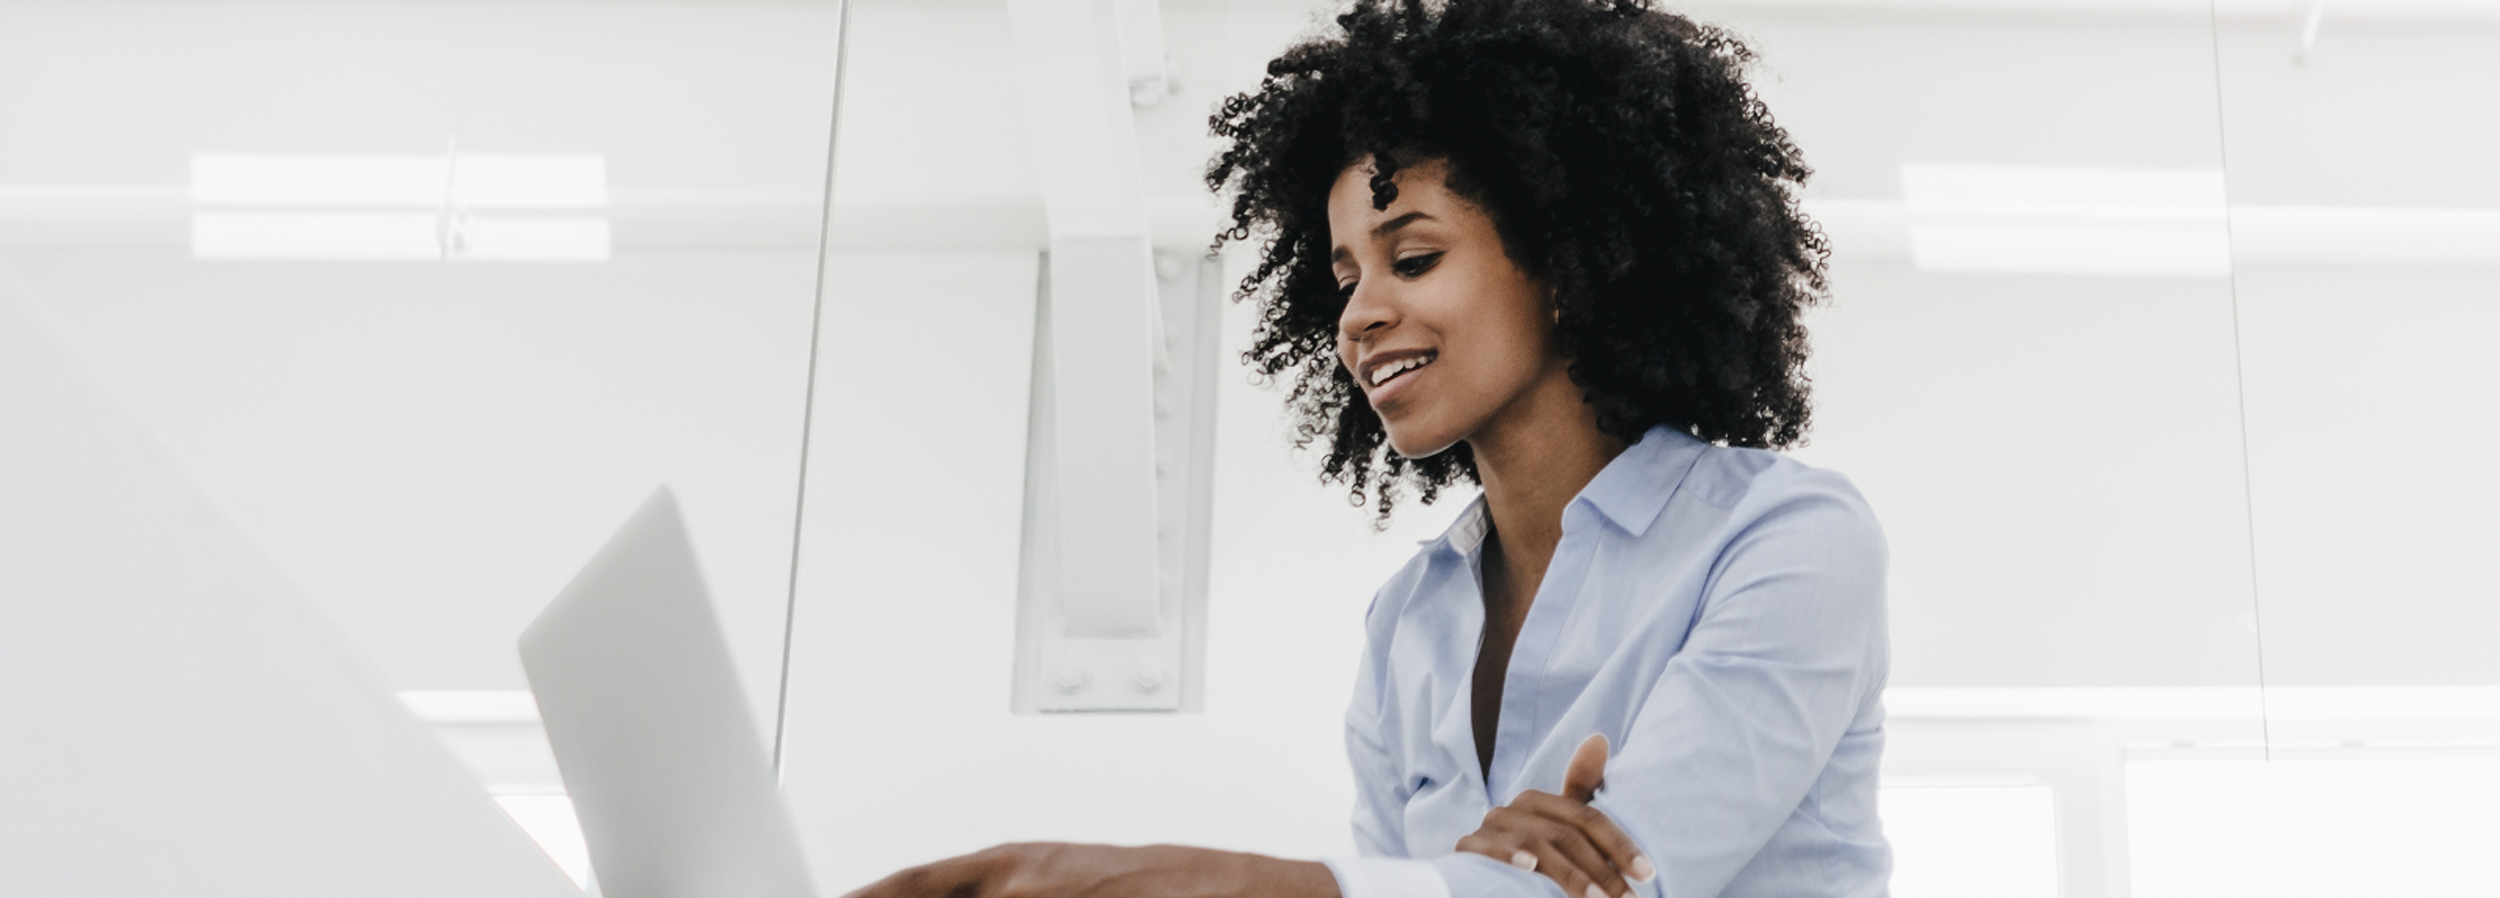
x=1564, y=838
x=1053, y=870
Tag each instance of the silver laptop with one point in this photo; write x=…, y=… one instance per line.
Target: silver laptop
x=658, y=750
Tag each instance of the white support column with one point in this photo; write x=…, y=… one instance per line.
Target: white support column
x=1150, y=77
x=1103, y=339
x=1076, y=99
x=1103, y=335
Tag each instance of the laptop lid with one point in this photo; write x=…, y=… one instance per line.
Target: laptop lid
x=652, y=735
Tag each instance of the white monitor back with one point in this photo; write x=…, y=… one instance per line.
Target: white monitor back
x=174, y=719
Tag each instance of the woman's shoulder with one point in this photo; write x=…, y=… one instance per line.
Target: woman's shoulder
x=1755, y=485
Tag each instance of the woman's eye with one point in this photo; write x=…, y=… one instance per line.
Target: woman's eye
x=1412, y=266
x=1346, y=290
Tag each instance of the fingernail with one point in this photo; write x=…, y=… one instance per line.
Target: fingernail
x=1595, y=892
x=1523, y=860
x=1642, y=869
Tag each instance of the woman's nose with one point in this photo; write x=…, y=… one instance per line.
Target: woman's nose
x=1367, y=311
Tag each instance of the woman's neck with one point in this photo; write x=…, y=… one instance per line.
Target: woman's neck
x=1532, y=459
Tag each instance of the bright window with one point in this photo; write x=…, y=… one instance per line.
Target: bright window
x=1979, y=841
x=2343, y=823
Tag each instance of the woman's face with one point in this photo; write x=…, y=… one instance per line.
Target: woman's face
x=1441, y=330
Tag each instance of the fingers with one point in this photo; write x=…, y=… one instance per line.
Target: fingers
x=1620, y=852
x=1587, y=770
x=941, y=879
x=1500, y=848
x=927, y=881
x=1543, y=845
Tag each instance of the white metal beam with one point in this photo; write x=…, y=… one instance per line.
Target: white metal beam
x=1103, y=334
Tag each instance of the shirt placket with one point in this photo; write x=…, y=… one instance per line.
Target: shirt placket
x=1523, y=680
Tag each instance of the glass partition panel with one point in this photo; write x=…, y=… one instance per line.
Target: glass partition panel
x=429, y=296
x=2365, y=222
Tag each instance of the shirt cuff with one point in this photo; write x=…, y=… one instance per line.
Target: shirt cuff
x=1387, y=877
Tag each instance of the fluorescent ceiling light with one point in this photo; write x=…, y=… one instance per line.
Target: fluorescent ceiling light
x=465, y=180
x=2065, y=220
x=381, y=208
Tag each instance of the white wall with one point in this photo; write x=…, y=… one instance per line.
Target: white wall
x=2056, y=461
x=2373, y=420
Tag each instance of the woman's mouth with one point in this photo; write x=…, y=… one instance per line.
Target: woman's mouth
x=1387, y=377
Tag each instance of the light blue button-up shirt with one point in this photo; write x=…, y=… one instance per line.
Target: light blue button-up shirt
x=1717, y=613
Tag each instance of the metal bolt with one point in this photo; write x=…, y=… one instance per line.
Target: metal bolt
x=1072, y=681
x=1150, y=680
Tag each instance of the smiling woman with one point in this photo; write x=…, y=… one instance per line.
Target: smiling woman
x=1441, y=284
x=1625, y=165
x=1552, y=247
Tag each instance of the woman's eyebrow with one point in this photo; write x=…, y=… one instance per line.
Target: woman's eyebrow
x=1392, y=225
x=1380, y=232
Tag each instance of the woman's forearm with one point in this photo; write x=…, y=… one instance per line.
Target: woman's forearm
x=1260, y=876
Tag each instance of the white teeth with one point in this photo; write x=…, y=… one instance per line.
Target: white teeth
x=1385, y=373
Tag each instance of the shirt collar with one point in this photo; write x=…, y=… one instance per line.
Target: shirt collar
x=1467, y=533
x=1633, y=489
x=1630, y=491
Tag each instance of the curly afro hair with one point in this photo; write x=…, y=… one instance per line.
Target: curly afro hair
x=1622, y=158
